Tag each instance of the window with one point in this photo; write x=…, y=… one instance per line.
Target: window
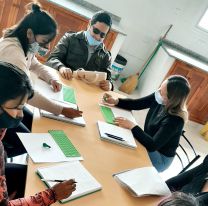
x=203, y=23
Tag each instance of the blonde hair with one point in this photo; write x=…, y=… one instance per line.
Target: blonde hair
x=178, y=89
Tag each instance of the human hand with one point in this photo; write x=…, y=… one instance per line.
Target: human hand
x=56, y=85
x=80, y=74
x=125, y=123
x=65, y=72
x=105, y=85
x=109, y=100
x=71, y=113
x=64, y=189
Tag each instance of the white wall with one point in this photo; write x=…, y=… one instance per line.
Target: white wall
x=145, y=21
x=155, y=73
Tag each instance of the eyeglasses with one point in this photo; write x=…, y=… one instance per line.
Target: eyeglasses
x=97, y=31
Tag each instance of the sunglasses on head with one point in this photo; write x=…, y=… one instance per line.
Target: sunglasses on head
x=97, y=31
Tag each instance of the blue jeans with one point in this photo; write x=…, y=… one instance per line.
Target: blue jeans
x=160, y=161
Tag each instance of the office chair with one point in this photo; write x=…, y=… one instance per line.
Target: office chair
x=185, y=153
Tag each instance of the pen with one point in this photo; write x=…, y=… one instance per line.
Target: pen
x=47, y=180
x=114, y=137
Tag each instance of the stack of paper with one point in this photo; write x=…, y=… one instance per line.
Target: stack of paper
x=86, y=183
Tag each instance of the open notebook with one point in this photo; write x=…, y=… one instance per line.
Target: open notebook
x=86, y=183
x=136, y=182
x=60, y=147
x=116, y=134
x=65, y=97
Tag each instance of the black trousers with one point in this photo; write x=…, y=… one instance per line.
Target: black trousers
x=192, y=181
x=16, y=178
x=12, y=144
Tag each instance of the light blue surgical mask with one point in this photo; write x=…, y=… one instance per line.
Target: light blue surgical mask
x=36, y=48
x=91, y=41
x=158, y=97
x=42, y=51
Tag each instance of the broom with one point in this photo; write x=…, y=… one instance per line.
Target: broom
x=131, y=82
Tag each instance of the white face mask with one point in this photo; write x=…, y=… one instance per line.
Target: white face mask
x=159, y=99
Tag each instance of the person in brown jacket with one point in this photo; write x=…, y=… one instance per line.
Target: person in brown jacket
x=84, y=49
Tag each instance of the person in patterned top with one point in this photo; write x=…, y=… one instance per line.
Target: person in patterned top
x=12, y=102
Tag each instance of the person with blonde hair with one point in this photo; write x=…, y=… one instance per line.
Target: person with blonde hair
x=164, y=122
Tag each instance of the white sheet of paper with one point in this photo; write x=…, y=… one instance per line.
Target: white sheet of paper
x=47, y=90
x=126, y=134
x=33, y=143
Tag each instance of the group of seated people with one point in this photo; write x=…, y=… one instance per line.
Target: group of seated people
x=163, y=125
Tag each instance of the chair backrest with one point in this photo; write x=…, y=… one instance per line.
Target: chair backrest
x=184, y=153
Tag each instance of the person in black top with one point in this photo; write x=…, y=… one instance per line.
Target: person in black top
x=193, y=181
x=164, y=121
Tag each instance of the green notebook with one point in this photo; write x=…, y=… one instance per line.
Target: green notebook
x=108, y=114
x=64, y=143
x=69, y=95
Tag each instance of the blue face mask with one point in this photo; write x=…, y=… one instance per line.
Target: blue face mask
x=158, y=97
x=36, y=48
x=91, y=40
x=42, y=51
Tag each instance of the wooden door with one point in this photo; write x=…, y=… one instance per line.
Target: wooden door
x=198, y=99
x=8, y=13
x=11, y=11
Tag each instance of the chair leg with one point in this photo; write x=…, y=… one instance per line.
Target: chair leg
x=190, y=163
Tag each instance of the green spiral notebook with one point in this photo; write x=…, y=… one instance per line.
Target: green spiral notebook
x=69, y=95
x=107, y=114
x=64, y=143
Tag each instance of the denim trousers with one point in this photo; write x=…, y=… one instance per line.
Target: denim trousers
x=160, y=161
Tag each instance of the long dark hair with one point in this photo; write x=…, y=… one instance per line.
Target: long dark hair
x=13, y=83
x=36, y=19
x=178, y=89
